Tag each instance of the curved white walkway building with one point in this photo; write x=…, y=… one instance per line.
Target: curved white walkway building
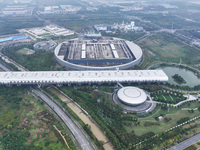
x=81, y=77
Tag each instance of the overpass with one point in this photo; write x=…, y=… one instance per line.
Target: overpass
x=82, y=77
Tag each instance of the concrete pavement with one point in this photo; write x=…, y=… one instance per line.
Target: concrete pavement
x=186, y=143
x=3, y=67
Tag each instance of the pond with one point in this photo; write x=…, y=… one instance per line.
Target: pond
x=189, y=76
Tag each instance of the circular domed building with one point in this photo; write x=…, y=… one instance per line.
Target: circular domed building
x=132, y=96
x=133, y=99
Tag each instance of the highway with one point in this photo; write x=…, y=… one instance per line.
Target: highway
x=186, y=143
x=3, y=67
x=82, y=140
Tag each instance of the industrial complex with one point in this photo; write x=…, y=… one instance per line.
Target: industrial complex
x=14, y=38
x=122, y=27
x=17, y=10
x=59, y=9
x=48, y=31
x=95, y=52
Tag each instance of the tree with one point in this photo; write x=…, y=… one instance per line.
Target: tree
x=199, y=108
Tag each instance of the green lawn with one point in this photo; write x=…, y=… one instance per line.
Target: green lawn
x=46, y=35
x=164, y=47
x=167, y=98
x=26, y=51
x=174, y=113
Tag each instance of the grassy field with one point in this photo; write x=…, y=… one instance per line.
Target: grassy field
x=26, y=51
x=163, y=47
x=22, y=115
x=167, y=21
x=131, y=36
x=166, y=97
x=45, y=35
x=40, y=60
x=174, y=113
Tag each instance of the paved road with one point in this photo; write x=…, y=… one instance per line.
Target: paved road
x=8, y=60
x=186, y=143
x=85, y=145
x=3, y=67
x=82, y=140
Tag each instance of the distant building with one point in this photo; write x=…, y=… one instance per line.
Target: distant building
x=132, y=23
x=59, y=9
x=138, y=29
x=93, y=36
x=22, y=1
x=70, y=8
x=17, y=10
x=51, y=10
x=168, y=6
x=196, y=43
x=47, y=31
x=122, y=27
x=101, y=27
x=91, y=9
x=128, y=27
x=14, y=38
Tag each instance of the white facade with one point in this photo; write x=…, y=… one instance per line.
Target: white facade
x=134, y=48
x=81, y=77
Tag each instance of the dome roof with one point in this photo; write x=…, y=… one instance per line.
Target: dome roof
x=132, y=95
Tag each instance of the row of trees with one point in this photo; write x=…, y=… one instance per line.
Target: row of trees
x=103, y=112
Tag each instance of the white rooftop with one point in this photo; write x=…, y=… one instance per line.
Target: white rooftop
x=54, y=77
x=132, y=95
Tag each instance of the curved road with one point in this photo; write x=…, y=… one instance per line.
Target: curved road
x=85, y=145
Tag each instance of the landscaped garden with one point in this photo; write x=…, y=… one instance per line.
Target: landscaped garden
x=166, y=96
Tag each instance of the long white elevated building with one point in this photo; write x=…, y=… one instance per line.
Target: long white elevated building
x=82, y=77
